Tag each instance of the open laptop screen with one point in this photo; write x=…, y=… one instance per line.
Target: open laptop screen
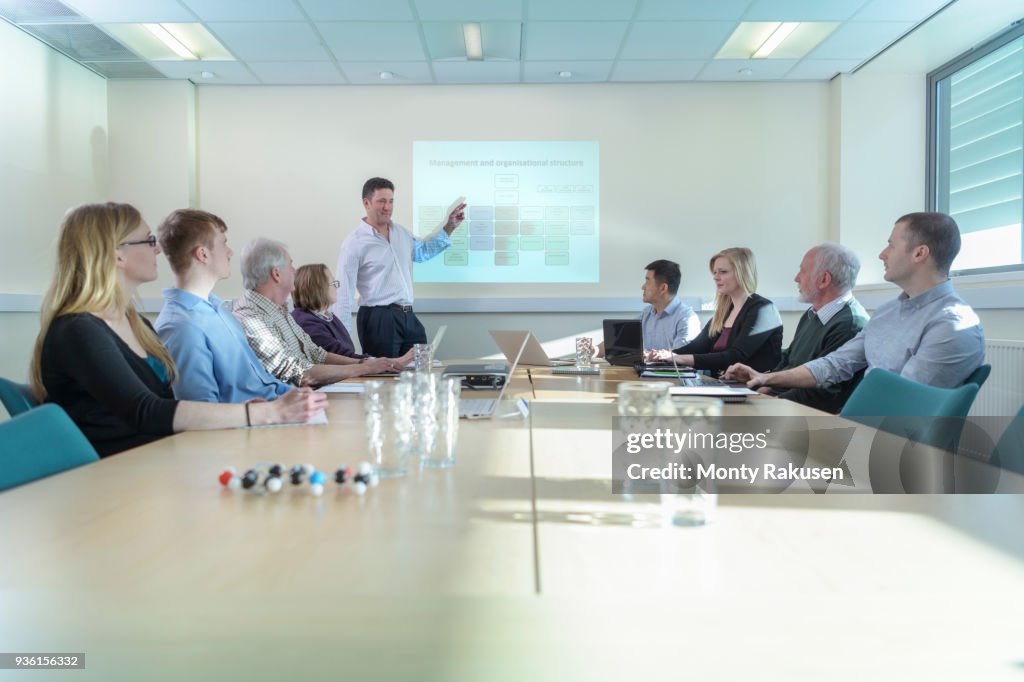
x=623, y=341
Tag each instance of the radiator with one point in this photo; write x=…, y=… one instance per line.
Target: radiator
x=1003, y=393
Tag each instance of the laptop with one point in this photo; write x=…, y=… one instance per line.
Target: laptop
x=484, y=408
x=623, y=342
x=435, y=343
x=511, y=342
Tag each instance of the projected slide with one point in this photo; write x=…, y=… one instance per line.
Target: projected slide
x=532, y=212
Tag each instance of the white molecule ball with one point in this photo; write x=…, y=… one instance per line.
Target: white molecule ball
x=359, y=488
x=317, y=489
x=365, y=468
x=374, y=480
x=274, y=484
x=235, y=483
x=308, y=469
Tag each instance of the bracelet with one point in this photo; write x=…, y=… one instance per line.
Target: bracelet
x=248, y=419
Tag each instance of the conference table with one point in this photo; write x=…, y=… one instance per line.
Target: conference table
x=515, y=564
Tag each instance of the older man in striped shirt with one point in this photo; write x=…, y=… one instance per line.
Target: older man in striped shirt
x=376, y=260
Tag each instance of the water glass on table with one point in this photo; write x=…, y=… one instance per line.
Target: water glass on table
x=422, y=357
x=389, y=426
x=439, y=451
x=584, y=351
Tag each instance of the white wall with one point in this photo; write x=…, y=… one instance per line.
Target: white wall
x=53, y=155
x=686, y=169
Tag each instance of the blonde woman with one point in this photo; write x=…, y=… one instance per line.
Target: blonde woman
x=102, y=362
x=744, y=328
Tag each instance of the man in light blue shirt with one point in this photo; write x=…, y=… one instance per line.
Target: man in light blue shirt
x=215, y=363
x=376, y=260
x=667, y=321
x=928, y=334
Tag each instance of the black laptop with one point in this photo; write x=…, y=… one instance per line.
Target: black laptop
x=623, y=342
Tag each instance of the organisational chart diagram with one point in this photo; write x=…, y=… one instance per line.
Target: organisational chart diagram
x=532, y=214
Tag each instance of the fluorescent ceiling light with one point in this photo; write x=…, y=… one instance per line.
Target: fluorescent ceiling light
x=474, y=43
x=170, y=41
x=775, y=39
x=143, y=41
x=751, y=39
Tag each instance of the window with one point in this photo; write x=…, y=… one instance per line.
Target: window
x=976, y=152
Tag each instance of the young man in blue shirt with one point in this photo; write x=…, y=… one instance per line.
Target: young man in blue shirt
x=215, y=363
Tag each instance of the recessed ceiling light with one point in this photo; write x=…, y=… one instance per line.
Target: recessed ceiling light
x=783, y=40
x=474, y=42
x=386, y=75
x=170, y=41
x=565, y=74
x=775, y=39
x=746, y=72
x=208, y=74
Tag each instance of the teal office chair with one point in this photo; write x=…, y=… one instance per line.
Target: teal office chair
x=17, y=398
x=979, y=376
x=41, y=442
x=891, y=403
x=1009, y=452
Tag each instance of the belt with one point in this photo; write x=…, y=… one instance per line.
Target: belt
x=403, y=308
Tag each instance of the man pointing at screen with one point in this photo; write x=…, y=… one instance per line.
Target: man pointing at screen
x=376, y=260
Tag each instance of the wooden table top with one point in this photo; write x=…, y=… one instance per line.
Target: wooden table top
x=496, y=568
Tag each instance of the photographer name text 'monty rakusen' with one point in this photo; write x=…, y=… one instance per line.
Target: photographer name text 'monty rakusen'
x=698, y=471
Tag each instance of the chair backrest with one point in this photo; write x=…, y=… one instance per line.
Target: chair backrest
x=38, y=443
x=17, y=398
x=979, y=376
x=1009, y=452
x=892, y=403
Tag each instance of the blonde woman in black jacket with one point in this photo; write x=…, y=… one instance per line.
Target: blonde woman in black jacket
x=745, y=327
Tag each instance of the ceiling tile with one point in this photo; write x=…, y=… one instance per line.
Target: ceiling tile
x=860, y=40
x=582, y=72
x=676, y=39
x=297, y=73
x=691, y=10
x=269, y=42
x=803, y=10
x=405, y=73
x=821, y=69
x=373, y=41
x=225, y=73
x=131, y=11
x=555, y=40
x=904, y=10
x=469, y=10
x=580, y=10
x=477, y=72
x=762, y=69
x=655, y=71
x=357, y=10
x=245, y=10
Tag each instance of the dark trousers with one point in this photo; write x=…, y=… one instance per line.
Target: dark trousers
x=386, y=332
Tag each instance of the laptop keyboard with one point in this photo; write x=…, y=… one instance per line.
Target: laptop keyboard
x=701, y=381
x=473, y=407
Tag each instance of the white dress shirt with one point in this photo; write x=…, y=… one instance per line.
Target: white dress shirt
x=381, y=269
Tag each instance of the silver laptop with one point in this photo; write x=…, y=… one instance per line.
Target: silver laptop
x=435, y=343
x=533, y=354
x=483, y=408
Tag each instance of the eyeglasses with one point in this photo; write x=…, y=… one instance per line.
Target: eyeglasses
x=336, y=284
x=149, y=241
